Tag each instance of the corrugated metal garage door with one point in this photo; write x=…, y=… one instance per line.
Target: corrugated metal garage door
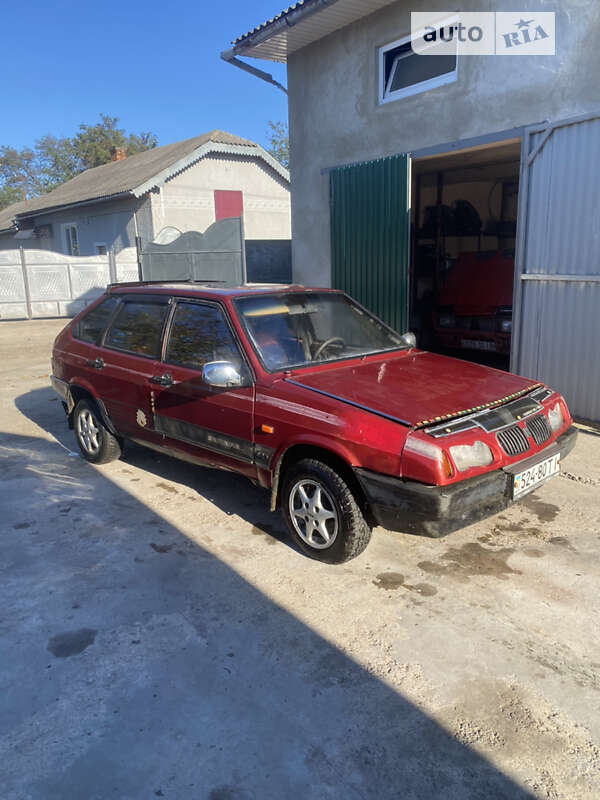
x=557, y=308
x=370, y=235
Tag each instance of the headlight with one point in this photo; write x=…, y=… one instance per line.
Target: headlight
x=506, y=325
x=471, y=455
x=555, y=418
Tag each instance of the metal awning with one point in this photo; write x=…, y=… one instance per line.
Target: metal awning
x=300, y=25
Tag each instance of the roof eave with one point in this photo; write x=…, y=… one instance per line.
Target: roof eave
x=65, y=206
x=286, y=20
x=253, y=151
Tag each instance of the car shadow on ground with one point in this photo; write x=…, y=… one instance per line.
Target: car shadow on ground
x=233, y=494
x=136, y=672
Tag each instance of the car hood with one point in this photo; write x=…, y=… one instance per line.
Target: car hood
x=415, y=387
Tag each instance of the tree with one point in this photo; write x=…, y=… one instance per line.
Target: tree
x=93, y=144
x=8, y=196
x=279, y=142
x=28, y=173
x=18, y=174
x=57, y=162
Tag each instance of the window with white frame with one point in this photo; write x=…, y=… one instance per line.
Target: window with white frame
x=101, y=248
x=71, y=239
x=402, y=72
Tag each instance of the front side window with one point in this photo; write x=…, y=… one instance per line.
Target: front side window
x=137, y=328
x=299, y=328
x=91, y=326
x=71, y=240
x=403, y=72
x=200, y=334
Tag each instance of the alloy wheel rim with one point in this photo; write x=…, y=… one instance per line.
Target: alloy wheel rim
x=89, y=432
x=313, y=514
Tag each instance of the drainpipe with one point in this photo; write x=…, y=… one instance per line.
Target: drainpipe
x=138, y=245
x=228, y=55
x=285, y=21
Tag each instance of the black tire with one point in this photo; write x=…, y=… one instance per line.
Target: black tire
x=352, y=532
x=99, y=447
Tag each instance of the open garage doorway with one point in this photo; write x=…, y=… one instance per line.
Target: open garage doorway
x=463, y=236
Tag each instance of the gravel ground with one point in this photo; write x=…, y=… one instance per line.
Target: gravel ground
x=159, y=637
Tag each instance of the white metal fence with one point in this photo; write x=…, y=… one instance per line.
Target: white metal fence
x=40, y=283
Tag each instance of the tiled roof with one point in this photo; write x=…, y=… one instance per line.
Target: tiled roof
x=8, y=214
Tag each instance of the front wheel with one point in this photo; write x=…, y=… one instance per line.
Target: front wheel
x=322, y=513
x=96, y=442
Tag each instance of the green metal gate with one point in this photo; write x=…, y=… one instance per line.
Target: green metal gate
x=370, y=225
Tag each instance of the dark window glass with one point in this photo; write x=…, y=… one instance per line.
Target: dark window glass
x=412, y=68
x=403, y=67
x=72, y=240
x=91, y=326
x=299, y=328
x=200, y=334
x=138, y=328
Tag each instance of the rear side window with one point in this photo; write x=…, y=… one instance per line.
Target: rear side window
x=137, y=328
x=200, y=334
x=91, y=326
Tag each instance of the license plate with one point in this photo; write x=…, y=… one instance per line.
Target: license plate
x=477, y=344
x=532, y=477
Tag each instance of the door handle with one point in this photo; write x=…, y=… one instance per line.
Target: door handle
x=163, y=380
x=96, y=363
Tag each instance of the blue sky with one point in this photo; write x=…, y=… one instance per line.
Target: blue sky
x=155, y=65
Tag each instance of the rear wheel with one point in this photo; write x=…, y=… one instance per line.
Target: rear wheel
x=96, y=442
x=322, y=513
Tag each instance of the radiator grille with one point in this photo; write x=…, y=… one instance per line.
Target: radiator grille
x=539, y=429
x=513, y=441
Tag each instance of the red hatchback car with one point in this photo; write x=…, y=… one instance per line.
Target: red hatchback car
x=346, y=422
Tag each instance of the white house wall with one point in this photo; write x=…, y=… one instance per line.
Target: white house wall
x=335, y=118
x=187, y=201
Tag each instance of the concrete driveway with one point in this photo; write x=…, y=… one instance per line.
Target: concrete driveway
x=160, y=638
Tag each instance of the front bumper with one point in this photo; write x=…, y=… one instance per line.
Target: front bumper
x=467, y=339
x=413, y=507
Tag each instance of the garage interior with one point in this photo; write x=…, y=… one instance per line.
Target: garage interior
x=463, y=235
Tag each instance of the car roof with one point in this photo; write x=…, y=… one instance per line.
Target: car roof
x=208, y=289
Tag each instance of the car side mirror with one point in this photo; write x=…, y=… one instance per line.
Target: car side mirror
x=409, y=339
x=221, y=374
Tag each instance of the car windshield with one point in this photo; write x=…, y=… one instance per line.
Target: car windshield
x=299, y=328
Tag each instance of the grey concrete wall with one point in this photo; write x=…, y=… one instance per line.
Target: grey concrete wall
x=8, y=242
x=335, y=117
